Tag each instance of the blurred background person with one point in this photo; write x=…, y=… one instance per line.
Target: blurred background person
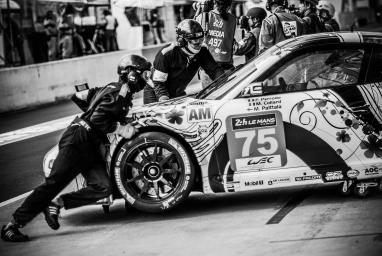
x=111, y=25
x=251, y=23
x=50, y=25
x=308, y=13
x=326, y=10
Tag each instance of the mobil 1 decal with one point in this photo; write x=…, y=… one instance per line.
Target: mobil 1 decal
x=256, y=141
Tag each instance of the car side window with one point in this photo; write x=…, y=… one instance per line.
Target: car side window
x=318, y=69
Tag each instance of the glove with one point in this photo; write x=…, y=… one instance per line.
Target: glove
x=163, y=98
x=126, y=131
x=124, y=90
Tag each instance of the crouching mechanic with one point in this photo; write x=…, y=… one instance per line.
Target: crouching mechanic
x=176, y=64
x=106, y=110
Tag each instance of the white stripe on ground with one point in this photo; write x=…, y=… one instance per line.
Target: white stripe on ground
x=12, y=200
x=35, y=130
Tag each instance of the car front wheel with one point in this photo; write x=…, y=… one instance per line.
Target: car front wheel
x=153, y=172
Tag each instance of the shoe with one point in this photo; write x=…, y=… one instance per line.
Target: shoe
x=51, y=216
x=13, y=234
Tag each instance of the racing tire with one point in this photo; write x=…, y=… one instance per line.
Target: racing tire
x=153, y=172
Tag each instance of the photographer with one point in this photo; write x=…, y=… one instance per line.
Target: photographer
x=219, y=26
x=326, y=12
x=105, y=112
x=280, y=25
x=251, y=23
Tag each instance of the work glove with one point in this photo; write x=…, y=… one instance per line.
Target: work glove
x=126, y=131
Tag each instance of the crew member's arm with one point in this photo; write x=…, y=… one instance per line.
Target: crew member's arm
x=209, y=65
x=266, y=36
x=83, y=98
x=247, y=44
x=161, y=69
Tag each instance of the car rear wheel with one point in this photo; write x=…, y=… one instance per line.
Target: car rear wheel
x=153, y=172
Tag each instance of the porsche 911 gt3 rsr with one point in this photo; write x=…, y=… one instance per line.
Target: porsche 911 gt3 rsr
x=307, y=111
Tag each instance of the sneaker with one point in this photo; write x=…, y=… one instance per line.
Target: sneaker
x=51, y=216
x=13, y=234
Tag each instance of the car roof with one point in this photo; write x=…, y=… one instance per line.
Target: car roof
x=332, y=37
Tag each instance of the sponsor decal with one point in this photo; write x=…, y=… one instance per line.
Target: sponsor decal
x=258, y=162
x=371, y=171
x=246, y=122
x=199, y=113
x=254, y=183
x=308, y=177
x=278, y=180
x=332, y=176
x=203, y=131
x=290, y=28
x=352, y=173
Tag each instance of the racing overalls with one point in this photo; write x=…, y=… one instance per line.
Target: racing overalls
x=79, y=153
x=248, y=46
x=279, y=26
x=174, y=70
x=332, y=25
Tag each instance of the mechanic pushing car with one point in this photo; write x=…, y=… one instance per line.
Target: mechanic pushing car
x=106, y=109
x=176, y=64
x=251, y=23
x=280, y=25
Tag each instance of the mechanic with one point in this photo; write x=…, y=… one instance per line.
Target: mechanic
x=79, y=149
x=308, y=13
x=220, y=27
x=248, y=46
x=280, y=25
x=176, y=64
x=326, y=12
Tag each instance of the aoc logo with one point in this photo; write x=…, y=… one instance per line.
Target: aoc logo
x=199, y=114
x=371, y=171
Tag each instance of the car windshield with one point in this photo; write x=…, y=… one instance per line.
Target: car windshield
x=226, y=82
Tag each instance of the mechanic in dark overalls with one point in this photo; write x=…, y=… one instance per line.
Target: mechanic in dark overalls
x=106, y=110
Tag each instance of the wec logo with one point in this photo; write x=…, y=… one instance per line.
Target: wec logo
x=262, y=160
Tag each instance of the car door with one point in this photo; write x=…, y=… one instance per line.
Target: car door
x=300, y=122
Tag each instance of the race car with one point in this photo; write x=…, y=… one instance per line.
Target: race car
x=306, y=111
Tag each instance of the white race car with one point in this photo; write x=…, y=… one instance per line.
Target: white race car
x=307, y=111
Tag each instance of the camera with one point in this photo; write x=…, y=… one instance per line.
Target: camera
x=294, y=10
x=203, y=6
x=81, y=87
x=243, y=22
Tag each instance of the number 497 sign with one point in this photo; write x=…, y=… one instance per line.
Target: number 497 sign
x=256, y=141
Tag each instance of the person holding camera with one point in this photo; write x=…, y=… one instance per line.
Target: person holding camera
x=79, y=149
x=251, y=23
x=176, y=64
x=280, y=25
x=326, y=12
x=308, y=13
x=220, y=26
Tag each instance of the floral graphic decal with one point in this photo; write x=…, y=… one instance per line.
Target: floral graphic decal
x=175, y=116
x=373, y=146
x=343, y=136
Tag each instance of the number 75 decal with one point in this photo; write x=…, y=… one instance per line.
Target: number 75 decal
x=256, y=141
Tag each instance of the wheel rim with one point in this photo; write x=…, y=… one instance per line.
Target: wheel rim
x=153, y=171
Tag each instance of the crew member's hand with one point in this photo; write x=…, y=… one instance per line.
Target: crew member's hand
x=126, y=131
x=163, y=98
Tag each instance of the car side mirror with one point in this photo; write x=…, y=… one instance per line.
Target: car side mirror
x=253, y=89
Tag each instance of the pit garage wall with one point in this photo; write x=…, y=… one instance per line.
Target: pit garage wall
x=39, y=84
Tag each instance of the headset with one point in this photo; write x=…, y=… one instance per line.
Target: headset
x=270, y=2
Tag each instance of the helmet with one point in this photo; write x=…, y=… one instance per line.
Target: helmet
x=223, y=3
x=326, y=5
x=277, y=2
x=257, y=12
x=133, y=69
x=312, y=2
x=188, y=29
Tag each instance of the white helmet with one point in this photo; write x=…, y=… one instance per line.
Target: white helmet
x=326, y=5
